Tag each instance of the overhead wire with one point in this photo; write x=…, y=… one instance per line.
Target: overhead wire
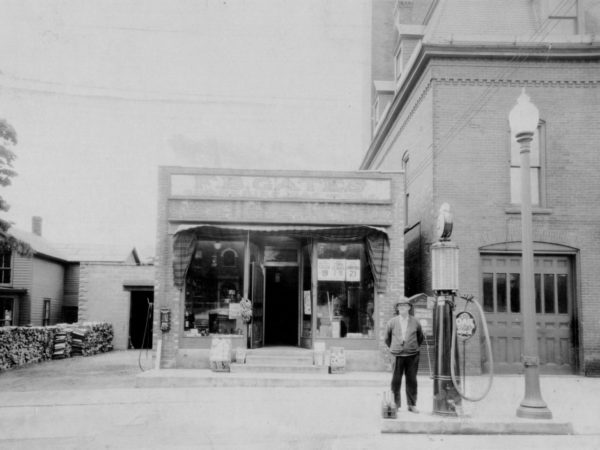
x=480, y=102
x=461, y=122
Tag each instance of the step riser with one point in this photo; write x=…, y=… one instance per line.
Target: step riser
x=278, y=360
x=279, y=369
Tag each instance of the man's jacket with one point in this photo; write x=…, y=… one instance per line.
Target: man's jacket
x=399, y=346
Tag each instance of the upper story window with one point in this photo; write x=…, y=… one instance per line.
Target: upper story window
x=536, y=173
x=384, y=93
x=5, y=267
x=398, y=64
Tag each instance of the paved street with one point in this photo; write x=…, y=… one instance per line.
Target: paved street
x=92, y=403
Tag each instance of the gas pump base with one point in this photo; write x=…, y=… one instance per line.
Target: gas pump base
x=424, y=423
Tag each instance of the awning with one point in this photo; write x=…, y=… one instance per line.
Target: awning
x=236, y=230
x=376, y=239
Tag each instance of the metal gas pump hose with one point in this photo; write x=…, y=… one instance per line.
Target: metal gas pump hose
x=469, y=299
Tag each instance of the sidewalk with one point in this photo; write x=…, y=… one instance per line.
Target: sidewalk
x=93, y=402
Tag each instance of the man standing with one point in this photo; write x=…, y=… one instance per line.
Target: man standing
x=404, y=336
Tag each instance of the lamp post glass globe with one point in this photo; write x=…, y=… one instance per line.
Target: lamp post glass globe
x=524, y=117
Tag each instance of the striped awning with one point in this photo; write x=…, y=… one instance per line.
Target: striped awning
x=376, y=239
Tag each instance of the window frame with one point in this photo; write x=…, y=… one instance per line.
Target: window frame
x=6, y=269
x=515, y=163
x=47, y=312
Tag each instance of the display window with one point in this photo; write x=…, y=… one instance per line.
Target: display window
x=345, y=291
x=213, y=288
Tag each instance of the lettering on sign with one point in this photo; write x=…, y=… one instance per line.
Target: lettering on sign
x=304, y=188
x=465, y=325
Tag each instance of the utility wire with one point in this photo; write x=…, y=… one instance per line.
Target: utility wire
x=537, y=37
x=482, y=100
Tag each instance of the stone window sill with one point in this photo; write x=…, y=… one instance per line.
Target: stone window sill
x=534, y=210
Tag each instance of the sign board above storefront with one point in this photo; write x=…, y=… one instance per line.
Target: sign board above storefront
x=338, y=270
x=281, y=188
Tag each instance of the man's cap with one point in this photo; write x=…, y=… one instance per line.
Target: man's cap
x=403, y=301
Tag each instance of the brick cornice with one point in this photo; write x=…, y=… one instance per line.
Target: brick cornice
x=516, y=52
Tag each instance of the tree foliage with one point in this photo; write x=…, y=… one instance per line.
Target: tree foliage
x=8, y=139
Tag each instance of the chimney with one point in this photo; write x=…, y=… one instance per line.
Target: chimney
x=36, y=225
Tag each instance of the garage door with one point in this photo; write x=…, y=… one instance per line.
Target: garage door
x=501, y=294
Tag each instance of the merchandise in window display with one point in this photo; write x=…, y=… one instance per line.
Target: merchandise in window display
x=345, y=293
x=212, y=293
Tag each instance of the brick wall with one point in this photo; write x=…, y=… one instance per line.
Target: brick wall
x=102, y=297
x=459, y=111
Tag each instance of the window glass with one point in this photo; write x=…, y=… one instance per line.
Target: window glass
x=5, y=260
x=549, y=293
x=538, y=293
x=515, y=292
x=515, y=170
x=488, y=292
x=345, y=293
x=501, y=292
x=515, y=185
x=213, y=289
x=563, y=300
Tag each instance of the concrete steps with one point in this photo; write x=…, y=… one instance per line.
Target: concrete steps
x=278, y=360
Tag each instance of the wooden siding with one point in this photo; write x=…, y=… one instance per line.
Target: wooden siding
x=21, y=276
x=47, y=282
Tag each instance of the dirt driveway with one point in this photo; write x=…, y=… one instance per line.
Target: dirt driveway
x=116, y=369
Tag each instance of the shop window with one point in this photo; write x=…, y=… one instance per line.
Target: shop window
x=536, y=175
x=345, y=292
x=213, y=289
x=46, y=318
x=6, y=312
x=5, y=267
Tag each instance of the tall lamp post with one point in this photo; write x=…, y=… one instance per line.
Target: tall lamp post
x=524, y=118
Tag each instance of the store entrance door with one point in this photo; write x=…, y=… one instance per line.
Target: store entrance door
x=281, y=306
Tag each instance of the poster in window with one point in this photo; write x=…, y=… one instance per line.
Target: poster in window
x=235, y=310
x=353, y=270
x=307, y=303
x=325, y=270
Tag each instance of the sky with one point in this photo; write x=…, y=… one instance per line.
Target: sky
x=101, y=93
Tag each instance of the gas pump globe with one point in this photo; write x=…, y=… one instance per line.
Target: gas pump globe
x=444, y=281
x=444, y=267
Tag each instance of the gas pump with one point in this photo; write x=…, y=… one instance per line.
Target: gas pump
x=447, y=392
x=444, y=256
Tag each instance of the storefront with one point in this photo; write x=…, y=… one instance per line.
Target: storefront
x=317, y=253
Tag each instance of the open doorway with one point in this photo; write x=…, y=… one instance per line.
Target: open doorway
x=281, y=306
x=140, y=319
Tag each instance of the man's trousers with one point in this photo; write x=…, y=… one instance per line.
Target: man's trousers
x=405, y=365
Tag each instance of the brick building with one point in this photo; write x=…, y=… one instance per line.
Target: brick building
x=310, y=250
x=445, y=76
x=111, y=283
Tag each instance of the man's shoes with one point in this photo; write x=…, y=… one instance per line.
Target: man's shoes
x=413, y=409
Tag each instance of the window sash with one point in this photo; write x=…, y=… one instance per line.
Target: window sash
x=515, y=185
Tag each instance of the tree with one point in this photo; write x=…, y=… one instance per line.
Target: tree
x=8, y=139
